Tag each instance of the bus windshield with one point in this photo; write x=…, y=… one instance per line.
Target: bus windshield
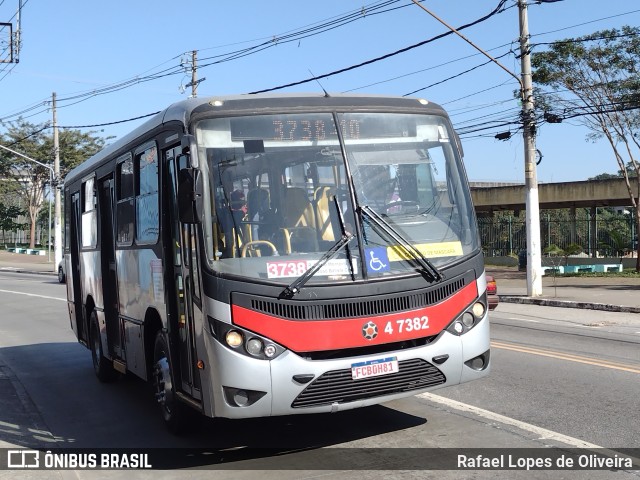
x=283, y=188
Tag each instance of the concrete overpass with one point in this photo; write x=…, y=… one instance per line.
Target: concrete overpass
x=583, y=194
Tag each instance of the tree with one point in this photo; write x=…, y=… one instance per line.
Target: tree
x=595, y=80
x=8, y=216
x=556, y=251
x=36, y=141
x=607, y=176
x=604, y=176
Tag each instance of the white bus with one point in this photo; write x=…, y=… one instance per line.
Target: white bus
x=279, y=254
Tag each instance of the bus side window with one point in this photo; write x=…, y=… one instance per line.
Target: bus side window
x=124, y=195
x=89, y=218
x=147, y=209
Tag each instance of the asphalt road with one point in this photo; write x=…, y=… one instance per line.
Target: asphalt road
x=569, y=370
x=560, y=378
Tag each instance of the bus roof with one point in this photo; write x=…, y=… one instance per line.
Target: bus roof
x=187, y=110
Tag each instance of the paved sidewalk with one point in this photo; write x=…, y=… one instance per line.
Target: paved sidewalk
x=612, y=294
x=23, y=262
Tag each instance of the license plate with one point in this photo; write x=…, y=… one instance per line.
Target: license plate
x=374, y=368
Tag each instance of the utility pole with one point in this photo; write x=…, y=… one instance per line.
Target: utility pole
x=57, y=231
x=194, y=75
x=532, y=220
x=18, y=32
x=534, y=255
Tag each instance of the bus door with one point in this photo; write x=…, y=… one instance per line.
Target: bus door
x=108, y=264
x=185, y=282
x=79, y=323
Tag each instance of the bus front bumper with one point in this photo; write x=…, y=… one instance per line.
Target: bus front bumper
x=291, y=384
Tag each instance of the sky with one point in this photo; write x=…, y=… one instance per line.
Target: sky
x=99, y=56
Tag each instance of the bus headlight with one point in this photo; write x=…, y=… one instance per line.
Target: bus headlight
x=233, y=338
x=243, y=341
x=478, y=310
x=270, y=350
x=254, y=346
x=469, y=318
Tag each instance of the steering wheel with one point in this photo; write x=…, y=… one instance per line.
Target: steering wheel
x=250, y=249
x=401, y=203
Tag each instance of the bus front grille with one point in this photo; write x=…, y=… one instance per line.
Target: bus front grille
x=337, y=386
x=352, y=308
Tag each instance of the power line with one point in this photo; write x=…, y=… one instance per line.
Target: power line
x=306, y=32
x=77, y=127
x=476, y=54
x=585, y=23
x=454, y=76
x=498, y=9
x=334, y=22
x=587, y=39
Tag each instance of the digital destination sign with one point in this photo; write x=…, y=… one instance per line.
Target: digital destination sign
x=320, y=127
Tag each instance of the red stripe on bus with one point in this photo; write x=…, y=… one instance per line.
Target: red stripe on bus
x=318, y=335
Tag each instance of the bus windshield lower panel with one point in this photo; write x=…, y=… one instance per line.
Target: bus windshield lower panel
x=281, y=192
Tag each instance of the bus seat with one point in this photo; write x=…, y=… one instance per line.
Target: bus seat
x=322, y=198
x=258, y=201
x=231, y=226
x=297, y=210
x=258, y=204
x=262, y=223
x=298, y=222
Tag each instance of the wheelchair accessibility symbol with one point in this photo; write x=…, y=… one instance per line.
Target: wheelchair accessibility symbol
x=377, y=259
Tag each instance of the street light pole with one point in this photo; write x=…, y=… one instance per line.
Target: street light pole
x=57, y=230
x=49, y=236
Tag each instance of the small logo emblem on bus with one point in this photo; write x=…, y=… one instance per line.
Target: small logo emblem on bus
x=370, y=331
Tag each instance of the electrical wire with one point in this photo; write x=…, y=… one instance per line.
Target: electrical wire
x=312, y=29
x=455, y=76
x=497, y=10
x=77, y=127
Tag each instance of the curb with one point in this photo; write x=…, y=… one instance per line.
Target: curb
x=26, y=270
x=546, y=302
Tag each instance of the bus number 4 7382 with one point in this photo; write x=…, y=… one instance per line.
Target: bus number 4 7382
x=407, y=325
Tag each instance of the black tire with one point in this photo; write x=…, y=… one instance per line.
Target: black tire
x=102, y=367
x=172, y=410
x=61, y=275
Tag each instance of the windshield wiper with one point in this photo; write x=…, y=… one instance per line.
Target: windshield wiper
x=431, y=271
x=295, y=287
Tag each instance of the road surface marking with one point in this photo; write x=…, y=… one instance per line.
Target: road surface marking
x=496, y=417
x=523, y=320
x=566, y=356
x=34, y=295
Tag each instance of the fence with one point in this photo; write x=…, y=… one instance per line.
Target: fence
x=610, y=237
x=21, y=237
x=499, y=236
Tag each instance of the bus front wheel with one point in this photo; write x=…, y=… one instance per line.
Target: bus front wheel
x=163, y=381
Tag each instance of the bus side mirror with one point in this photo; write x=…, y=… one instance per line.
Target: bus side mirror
x=189, y=195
